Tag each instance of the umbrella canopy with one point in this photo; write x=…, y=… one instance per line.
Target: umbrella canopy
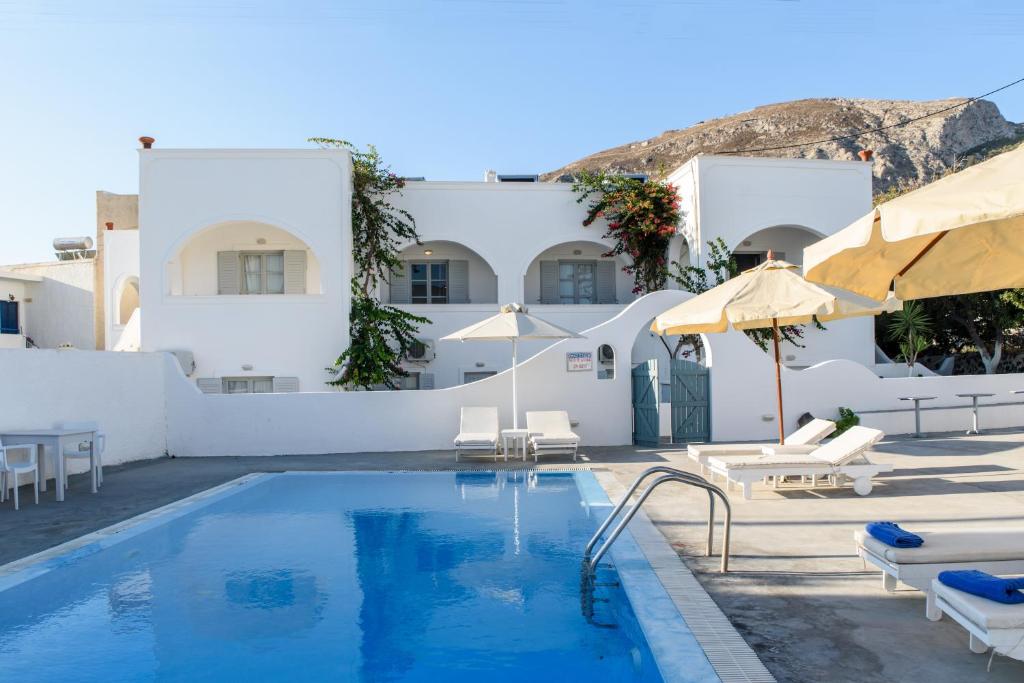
x=961, y=234
x=772, y=292
x=512, y=324
x=769, y=295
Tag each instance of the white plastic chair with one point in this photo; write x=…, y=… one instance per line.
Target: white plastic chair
x=10, y=470
x=85, y=449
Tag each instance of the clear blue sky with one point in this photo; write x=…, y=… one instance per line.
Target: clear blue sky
x=445, y=88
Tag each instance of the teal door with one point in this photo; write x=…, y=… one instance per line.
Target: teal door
x=691, y=405
x=646, y=426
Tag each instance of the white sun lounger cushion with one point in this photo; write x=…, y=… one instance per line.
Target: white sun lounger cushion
x=549, y=439
x=475, y=439
x=985, y=613
x=762, y=461
x=803, y=440
x=943, y=547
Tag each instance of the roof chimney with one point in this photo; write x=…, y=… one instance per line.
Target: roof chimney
x=110, y=225
x=490, y=176
x=770, y=256
x=147, y=142
x=865, y=154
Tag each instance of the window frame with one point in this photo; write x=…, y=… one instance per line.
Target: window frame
x=576, y=281
x=243, y=285
x=429, y=281
x=250, y=384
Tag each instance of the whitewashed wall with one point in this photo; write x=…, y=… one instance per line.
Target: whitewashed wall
x=123, y=392
x=120, y=266
x=147, y=406
x=61, y=310
x=187, y=194
x=743, y=395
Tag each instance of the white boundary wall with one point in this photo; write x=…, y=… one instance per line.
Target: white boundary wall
x=123, y=392
x=147, y=407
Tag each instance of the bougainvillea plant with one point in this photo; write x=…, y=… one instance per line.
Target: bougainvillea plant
x=641, y=218
x=380, y=334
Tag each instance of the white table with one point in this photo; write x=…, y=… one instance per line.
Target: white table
x=917, y=411
x=51, y=442
x=974, y=410
x=515, y=436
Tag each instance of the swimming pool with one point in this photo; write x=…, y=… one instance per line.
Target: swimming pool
x=351, y=577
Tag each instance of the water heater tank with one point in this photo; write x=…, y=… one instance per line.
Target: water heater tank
x=72, y=243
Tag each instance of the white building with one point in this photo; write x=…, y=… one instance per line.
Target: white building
x=242, y=260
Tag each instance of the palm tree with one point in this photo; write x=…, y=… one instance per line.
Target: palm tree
x=912, y=328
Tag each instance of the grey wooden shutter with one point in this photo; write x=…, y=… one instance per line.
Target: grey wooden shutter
x=549, y=282
x=294, y=271
x=426, y=380
x=210, y=385
x=458, y=282
x=604, y=275
x=228, y=272
x=401, y=287
x=286, y=385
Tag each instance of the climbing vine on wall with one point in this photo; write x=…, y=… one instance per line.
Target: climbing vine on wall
x=380, y=334
x=641, y=218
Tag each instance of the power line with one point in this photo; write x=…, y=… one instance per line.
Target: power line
x=872, y=130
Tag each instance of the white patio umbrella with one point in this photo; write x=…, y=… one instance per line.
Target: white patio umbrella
x=512, y=324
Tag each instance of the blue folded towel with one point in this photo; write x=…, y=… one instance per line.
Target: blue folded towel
x=985, y=585
x=890, y=533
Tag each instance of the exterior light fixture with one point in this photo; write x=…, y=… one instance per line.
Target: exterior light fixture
x=261, y=240
x=247, y=367
x=428, y=252
x=577, y=252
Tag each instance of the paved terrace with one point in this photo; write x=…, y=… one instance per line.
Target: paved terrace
x=796, y=591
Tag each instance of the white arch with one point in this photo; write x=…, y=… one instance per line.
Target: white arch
x=175, y=250
x=790, y=226
x=120, y=288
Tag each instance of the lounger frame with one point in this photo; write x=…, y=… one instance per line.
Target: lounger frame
x=1005, y=640
x=920, y=575
x=860, y=473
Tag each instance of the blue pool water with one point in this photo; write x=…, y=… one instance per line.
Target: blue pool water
x=336, y=577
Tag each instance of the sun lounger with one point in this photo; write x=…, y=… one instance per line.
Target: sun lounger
x=802, y=441
x=550, y=432
x=842, y=458
x=990, y=623
x=996, y=552
x=478, y=432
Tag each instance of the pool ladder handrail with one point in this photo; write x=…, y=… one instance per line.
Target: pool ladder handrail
x=669, y=474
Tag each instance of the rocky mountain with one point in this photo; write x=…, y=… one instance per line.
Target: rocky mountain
x=916, y=151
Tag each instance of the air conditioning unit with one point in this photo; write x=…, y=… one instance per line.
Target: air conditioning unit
x=606, y=354
x=421, y=352
x=186, y=360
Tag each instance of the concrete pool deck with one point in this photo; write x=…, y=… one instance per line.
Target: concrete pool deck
x=796, y=591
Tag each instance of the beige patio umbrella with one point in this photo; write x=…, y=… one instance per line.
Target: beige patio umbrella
x=961, y=234
x=772, y=294
x=512, y=324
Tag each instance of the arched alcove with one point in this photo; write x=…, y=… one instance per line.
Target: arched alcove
x=243, y=258
x=127, y=300
x=442, y=272
x=577, y=272
x=787, y=241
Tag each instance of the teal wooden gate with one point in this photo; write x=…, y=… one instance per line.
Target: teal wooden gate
x=646, y=425
x=691, y=405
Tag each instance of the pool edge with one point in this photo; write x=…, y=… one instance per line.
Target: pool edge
x=728, y=653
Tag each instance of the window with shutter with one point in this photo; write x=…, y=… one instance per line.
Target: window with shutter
x=549, y=282
x=400, y=285
x=458, y=282
x=228, y=272
x=605, y=275
x=210, y=385
x=294, y=271
x=286, y=385
x=426, y=380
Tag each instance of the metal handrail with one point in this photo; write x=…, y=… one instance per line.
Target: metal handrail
x=697, y=479
x=672, y=475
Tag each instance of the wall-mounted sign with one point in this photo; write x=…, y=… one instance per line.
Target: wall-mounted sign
x=579, y=361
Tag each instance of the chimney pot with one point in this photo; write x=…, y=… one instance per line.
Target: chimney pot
x=865, y=154
x=110, y=225
x=147, y=142
x=771, y=255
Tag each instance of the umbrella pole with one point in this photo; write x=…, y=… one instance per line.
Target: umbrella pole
x=515, y=402
x=778, y=378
